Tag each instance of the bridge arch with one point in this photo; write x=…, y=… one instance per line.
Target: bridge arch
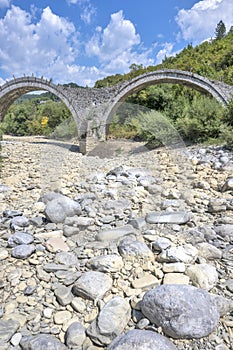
x=13, y=89
x=221, y=92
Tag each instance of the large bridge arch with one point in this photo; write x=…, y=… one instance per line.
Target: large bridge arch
x=220, y=91
x=13, y=89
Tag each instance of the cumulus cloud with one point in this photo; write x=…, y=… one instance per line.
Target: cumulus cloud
x=115, y=46
x=45, y=47
x=199, y=22
x=166, y=50
x=4, y=3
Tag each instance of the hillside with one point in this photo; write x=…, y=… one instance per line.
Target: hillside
x=211, y=59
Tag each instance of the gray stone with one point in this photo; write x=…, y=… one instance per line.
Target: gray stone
x=132, y=249
x=223, y=304
x=79, y=221
x=208, y=251
x=225, y=230
x=161, y=244
x=106, y=263
x=111, y=321
x=52, y=267
x=66, y=258
x=182, y=311
x=63, y=295
x=75, y=335
x=92, y=285
x=179, y=217
x=19, y=221
x=69, y=231
x=23, y=251
x=137, y=339
x=20, y=238
x=204, y=276
x=115, y=233
x=42, y=342
x=186, y=253
x=7, y=329
x=61, y=207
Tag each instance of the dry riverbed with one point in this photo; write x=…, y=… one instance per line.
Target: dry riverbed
x=121, y=247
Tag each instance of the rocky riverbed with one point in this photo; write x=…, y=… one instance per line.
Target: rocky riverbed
x=123, y=248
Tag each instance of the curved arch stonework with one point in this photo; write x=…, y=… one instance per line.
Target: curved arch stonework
x=10, y=91
x=90, y=104
x=220, y=91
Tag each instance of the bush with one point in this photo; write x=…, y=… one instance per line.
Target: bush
x=157, y=130
x=201, y=120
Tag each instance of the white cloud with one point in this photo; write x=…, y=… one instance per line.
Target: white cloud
x=165, y=51
x=87, y=14
x=4, y=3
x=45, y=47
x=117, y=45
x=199, y=22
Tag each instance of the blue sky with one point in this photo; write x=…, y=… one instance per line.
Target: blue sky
x=85, y=40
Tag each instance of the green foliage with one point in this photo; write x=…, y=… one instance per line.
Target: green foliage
x=200, y=120
x=28, y=116
x=66, y=130
x=220, y=30
x=211, y=59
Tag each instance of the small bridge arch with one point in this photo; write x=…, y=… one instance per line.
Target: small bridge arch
x=13, y=89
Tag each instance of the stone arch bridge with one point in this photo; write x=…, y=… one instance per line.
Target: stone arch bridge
x=90, y=105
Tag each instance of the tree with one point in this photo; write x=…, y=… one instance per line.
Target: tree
x=220, y=30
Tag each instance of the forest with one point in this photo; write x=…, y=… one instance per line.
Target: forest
x=198, y=118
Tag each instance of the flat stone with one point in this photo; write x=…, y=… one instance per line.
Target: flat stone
x=145, y=282
x=137, y=339
x=106, y=263
x=204, y=276
x=168, y=217
x=111, y=321
x=75, y=335
x=115, y=233
x=92, y=285
x=23, y=251
x=175, y=278
x=7, y=329
x=182, y=311
x=56, y=244
x=52, y=267
x=174, y=267
x=41, y=341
